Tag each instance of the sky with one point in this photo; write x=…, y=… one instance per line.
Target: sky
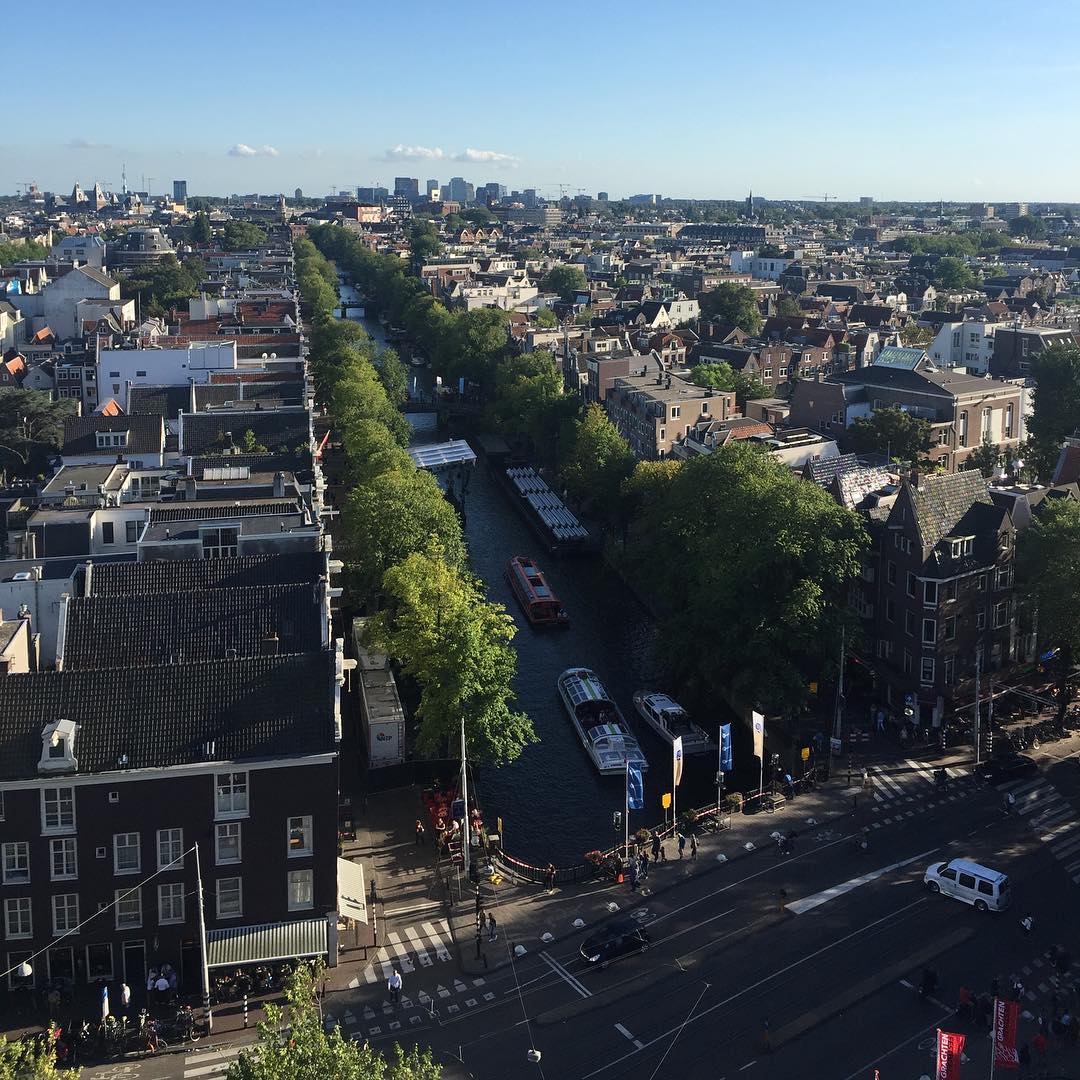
x=950, y=99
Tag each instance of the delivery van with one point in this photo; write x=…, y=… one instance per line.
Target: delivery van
x=975, y=884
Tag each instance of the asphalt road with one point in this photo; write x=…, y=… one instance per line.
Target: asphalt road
x=831, y=971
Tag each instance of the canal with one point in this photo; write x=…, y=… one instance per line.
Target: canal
x=553, y=804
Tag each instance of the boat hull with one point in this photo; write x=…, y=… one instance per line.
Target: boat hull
x=699, y=743
x=605, y=768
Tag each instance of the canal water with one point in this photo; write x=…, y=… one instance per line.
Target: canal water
x=553, y=804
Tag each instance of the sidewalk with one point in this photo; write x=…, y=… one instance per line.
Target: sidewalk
x=528, y=914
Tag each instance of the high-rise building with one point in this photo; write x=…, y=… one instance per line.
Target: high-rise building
x=372, y=195
x=528, y=197
x=460, y=190
x=601, y=196
x=492, y=192
x=298, y=194
x=866, y=200
x=179, y=191
x=431, y=190
x=408, y=186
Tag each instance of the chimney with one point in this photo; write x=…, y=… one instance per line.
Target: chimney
x=270, y=645
x=279, y=485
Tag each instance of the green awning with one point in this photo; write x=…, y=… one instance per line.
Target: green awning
x=266, y=943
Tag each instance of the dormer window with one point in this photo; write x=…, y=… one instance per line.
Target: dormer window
x=960, y=546
x=58, y=747
x=109, y=440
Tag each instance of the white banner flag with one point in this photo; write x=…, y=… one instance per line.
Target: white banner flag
x=676, y=749
x=759, y=735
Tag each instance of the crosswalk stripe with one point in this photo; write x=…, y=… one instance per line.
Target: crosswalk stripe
x=1066, y=848
x=1059, y=830
x=1054, y=817
x=419, y=946
x=433, y=935
x=1041, y=804
x=1018, y=786
x=1051, y=811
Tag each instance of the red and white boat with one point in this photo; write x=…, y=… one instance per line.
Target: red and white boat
x=541, y=606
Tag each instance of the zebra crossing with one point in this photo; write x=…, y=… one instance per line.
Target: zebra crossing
x=209, y=1064
x=1052, y=817
x=909, y=780
x=407, y=949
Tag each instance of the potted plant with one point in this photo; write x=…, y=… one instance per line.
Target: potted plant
x=595, y=861
x=733, y=801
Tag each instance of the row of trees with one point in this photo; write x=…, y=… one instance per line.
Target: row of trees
x=404, y=545
x=159, y=285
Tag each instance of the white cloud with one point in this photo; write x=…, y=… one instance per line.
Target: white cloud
x=487, y=157
x=86, y=144
x=401, y=152
x=243, y=150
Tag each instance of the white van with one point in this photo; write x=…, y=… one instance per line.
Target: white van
x=978, y=885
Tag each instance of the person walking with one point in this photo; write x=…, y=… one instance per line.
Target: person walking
x=549, y=874
x=682, y=845
x=393, y=984
x=419, y=832
x=1028, y=923
x=493, y=932
x=655, y=846
x=644, y=860
x=693, y=846
x=632, y=874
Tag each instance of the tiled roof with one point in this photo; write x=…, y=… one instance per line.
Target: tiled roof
x=206, y=512
x=823, y=471
x=164, y=401
x=288, y=393
x=181, y=575
x=856, y=485
x=145, y=434
x=276, y=429
x=255, y=462
x=940, y=502
x=181, y=628
x=177, y=714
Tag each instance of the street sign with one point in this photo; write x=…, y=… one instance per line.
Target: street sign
x=813, y=688
x=805, y=753
x=836, y=745
x=665, y=800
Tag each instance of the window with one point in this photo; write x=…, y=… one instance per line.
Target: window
x=16, y=863
x=987, y=418
x=950, y=628
x=300, y=835
x=907, y=662
x=767, y=373
x=65, y=912
x=219, y=543
x=1004, y=577
x=170, y=848
x=170, y=902
x=232, y=794
x=57, y=809
x=126, y=858
x=230, y=903
x=890, y=573
x=674, y=412
x=909, y=624
x=783, y=372
x=948, y=875
x=950, y=670
x=1008, y=421
x=63, y=865
x=980, y=583
x=301, y=892
x=99, y=964
x=962, y=437
x=128, y=908
x=1, y=806
x=967, y=881
x=106, y=532
x=980, y=620
x=1001, y=614
x=227, y=842
x=930, y=593
x=17, y=920
x=890, y=609
x=132, y=531
x=929, y=631
x=950, y=590
x=909, y=584
x=663, y=433
x=986, y=888
x=926, y=673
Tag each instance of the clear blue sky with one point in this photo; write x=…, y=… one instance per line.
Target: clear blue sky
x=957, y=100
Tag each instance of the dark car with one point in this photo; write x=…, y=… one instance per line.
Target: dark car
x=1002, y=768
x=614, y=940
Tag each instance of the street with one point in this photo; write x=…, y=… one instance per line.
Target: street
x=740, y=979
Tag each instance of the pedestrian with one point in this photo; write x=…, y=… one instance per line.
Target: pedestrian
x=682, y=845
x=394, y=986
x=995, y=986
x=419, y=832
x=550, y=876
x=631, y=873
x=1010, y=803
x=880, y=718
x=693, y=846
x=663, y=851
x=644, y=860
x=903, y=735
x=493, y=932
x=1028, y=923
x=655, y=846
x=125, y=994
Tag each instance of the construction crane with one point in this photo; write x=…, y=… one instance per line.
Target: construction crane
x=817, y=198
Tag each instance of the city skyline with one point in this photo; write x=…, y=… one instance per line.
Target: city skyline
x=844, y=102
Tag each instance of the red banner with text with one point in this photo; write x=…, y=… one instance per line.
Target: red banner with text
x=950, y=1047
x=1006, y=1016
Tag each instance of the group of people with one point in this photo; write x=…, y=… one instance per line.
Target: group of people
x=161, y=984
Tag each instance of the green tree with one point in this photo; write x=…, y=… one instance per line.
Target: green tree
x=201, y=230
x=251, y=444
x=892, y=432
x=986, y=457
x=917, y=337
x=160, y=285
x=546, y=318
x=294, y=1045
x=755, y=600
x=393, y=375
x=479, y=340
x=564, y=280
x=733, y=305
x=371, y=450
x=1030, y=228
x=391, y=517
x=423, y=243
x=789, y=307
x=1056, y=402
x=457, y=646
x=598, y=461
x=953, y=273
x=242, y=236
x=27, y=251
x=31, y=429
x=32, y=1059
x=527, y=398
x=1048, y=568
x=480, y=215
x=720, y=375
x=357, y=393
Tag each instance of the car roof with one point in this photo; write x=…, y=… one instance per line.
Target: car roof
x=967, y=866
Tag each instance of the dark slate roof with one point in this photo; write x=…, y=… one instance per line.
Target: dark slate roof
x=893, y=378
x=178, y=628
x=164, y=401
x=146, y=434
x=276, y=429
x=270, y=706
x=221, y=393
x=207, y=511
x=182, y=575
x=255, y=462
x=823, y=471
x=941, y=501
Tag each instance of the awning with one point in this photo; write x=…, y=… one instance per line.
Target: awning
x=266, y=943
x=352, y=897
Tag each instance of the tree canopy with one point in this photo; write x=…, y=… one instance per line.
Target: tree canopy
x=546, y=318
x=294, y=1045
x=201, y=230
x=564, y=280
x=986, y=457
x=734, y=305
x=597, y=462
x=1056, y=401
x=423, y=242
x=720, y=375
x=953, y=273
x=528, y=401
x=31, y=429
x=242, y=236
x=895, y=433
x=1028, y=227
x=160, y=285
x=789, y=307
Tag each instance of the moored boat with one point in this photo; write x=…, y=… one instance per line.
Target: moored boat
x=670, y=721
x=598, y=722
x=531, y=590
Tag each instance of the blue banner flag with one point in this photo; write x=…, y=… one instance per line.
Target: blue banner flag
x=635, y=787
x=726, y=760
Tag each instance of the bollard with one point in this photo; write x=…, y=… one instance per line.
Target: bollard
x=245, y=1010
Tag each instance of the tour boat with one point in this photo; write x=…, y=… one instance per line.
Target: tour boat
x=541, y=606
x=670, y=721
x=599, y=724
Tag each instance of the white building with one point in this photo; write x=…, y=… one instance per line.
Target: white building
x=118, y=369
x=965, y=343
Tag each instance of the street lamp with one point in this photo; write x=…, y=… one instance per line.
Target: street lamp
x=24, y=970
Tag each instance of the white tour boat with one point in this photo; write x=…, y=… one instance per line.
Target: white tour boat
x=670, y=721
x=599, y=724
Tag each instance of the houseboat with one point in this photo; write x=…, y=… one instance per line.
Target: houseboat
x=670, y=721
x=541, y=606
x=599, y=724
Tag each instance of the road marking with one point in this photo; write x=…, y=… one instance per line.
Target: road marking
x=861, y=1072
x=748, y=1065
x=415, y=910
x=808, y=903
x=637, y=1042
x=559, y=970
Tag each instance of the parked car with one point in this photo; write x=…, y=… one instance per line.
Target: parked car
x=1001, y=768
x=612, y=941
